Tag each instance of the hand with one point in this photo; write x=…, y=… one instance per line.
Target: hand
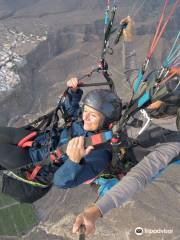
x=73, y=83
x=155, y=105
x=128, y=31
x=75, y=149
x=88, y=219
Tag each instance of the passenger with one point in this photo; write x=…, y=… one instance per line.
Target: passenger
x=101, y=108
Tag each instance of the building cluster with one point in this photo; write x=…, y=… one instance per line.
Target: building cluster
x=10, y=61
x=9, y=64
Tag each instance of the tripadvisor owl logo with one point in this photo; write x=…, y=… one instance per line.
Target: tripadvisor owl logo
x=139, y=231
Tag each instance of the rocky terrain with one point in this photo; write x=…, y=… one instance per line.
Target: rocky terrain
x=45, y=42
x=55, y=45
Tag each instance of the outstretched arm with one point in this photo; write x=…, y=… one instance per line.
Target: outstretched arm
x=129, y=53
x=134, y=181
x=139, y=176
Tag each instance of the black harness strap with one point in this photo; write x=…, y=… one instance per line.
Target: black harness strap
x=56, y=155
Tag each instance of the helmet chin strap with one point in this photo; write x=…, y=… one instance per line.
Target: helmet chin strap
x=105, y=125
x=102, y=126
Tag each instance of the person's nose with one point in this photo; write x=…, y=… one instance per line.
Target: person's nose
x=86, y=116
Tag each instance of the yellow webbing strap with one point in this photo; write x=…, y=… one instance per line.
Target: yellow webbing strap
x=35, y=184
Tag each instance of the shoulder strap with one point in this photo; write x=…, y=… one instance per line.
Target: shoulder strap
x=54, y=157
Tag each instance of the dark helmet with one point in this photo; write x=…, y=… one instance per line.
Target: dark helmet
x=169, y=95
x=173, y=89
x=169, y=92
x=106, y=102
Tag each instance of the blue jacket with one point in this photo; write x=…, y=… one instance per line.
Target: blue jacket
x=71, y=174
